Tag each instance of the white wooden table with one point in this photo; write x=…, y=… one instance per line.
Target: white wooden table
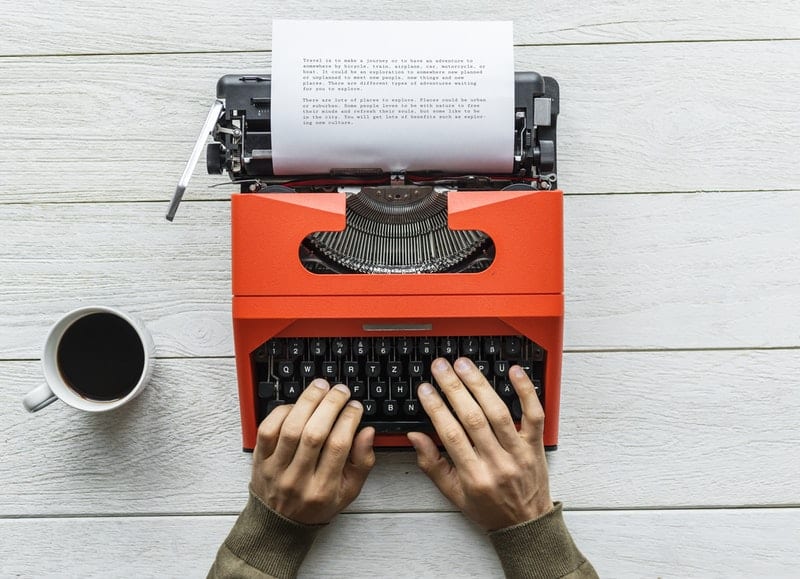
x=679, y=150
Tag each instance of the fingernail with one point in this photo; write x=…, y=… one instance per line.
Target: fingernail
x=440, y=364
x=320, y=383
x=342, y=388
x=517, y=372
x=461, y=364
x=425, y=389
x=354, y=404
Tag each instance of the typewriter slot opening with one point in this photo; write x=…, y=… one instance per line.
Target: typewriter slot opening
x=397, y=230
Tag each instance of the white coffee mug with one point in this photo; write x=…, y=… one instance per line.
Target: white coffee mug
x=95, y=358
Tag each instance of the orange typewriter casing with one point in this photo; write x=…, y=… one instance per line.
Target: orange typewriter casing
x=275, y=296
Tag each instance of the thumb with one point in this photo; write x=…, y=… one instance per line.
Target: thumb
x=437, y=467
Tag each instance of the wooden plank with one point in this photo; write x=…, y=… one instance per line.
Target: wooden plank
x=642, y=271
x=59, y=257
x=658, y=117
x=61, y=27
x=757, y=543
x=655, y=429
x=682, y=271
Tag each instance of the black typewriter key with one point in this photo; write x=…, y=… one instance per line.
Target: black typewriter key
x=426, y=347
x=351, y=369
x=370, y=407
x=261, y=354
x=505, y=389
x=285, y=368
x=296, y=347
x=410, y=407
x=483, y=366
x=512, y=346
x=357, y=389
x=527, y=366
x=360, y=347
x=448, y=347
x=267, y=389
x=394, y=369
x=379, y=389
x=470, y=347
x=383, y=346
x=329, y=370
x=501, y=368
x=275, y=347
x=319, y=347
x=373, y=369
x=399, y=389
x=491, y=346
x=291, y=390
x=405, y=346
x=391, y=407
x=538, y=354
x=339, y=347
x=415, y=368
x=308, y=369
x=273, y=404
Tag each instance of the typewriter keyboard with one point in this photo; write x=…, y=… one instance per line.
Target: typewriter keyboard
x=383, y=372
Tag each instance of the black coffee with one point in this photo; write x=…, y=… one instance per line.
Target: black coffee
x=101, y=357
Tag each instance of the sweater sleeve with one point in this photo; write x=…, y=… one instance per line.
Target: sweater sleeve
x=263, y=544
x=541, y=549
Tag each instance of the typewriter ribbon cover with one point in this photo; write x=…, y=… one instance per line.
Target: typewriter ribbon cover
x=398, y=203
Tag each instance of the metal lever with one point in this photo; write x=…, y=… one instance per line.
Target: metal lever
x=211, y=120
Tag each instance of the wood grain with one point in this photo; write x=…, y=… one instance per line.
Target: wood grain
x=62, y=27
x=635, y=544
x=646, y=429
x=642, y=271
x=678, y=151
x=645, y=118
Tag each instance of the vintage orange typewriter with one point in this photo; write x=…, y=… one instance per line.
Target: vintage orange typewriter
x=364, y=277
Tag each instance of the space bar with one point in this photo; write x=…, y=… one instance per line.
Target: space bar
x=391, y=426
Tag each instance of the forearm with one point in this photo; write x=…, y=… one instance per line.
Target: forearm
x=541, y=549
x=263, y=544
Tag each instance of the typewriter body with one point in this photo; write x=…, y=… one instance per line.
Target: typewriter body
x=364, y=277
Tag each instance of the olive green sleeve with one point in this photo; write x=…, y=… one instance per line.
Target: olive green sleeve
x=263, y=544
x=541, y=549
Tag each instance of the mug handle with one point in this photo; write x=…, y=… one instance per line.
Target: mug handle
x=38, y=398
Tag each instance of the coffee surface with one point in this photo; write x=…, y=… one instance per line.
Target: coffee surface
x=101, y=357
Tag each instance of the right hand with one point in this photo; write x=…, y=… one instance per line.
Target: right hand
x=308, y=463
x=498, y=476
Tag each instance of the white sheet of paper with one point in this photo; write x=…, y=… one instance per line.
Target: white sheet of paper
x=399, y=96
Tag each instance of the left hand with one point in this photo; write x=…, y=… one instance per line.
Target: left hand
x=308, y=463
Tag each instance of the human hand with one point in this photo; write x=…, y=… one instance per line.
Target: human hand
x=498, y=476
x=308, y=463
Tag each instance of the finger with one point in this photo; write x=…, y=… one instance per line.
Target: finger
x=269, y=431
x=319, y=426
x=361, y=461
x=437, y=468
x=337, y=448
x=492, y=406
x=295, y=422
x=532, y=412
x=469, y=412
x=447, y=427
